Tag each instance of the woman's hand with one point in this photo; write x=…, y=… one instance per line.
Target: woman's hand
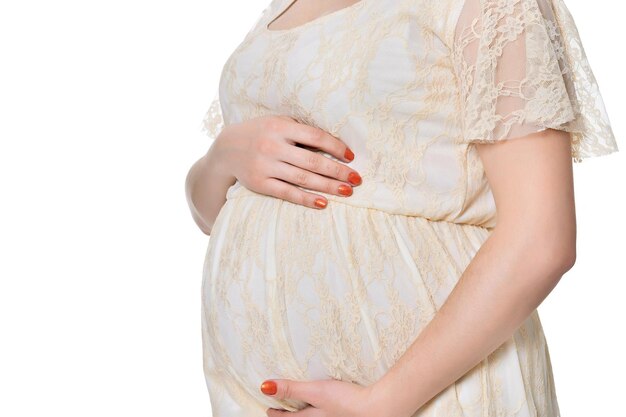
x=265, y=155
x=327, y=398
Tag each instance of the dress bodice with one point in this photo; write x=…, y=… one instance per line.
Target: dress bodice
x=395, y=82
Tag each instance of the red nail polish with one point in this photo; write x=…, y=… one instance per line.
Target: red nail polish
x=269, y=387
x=349, y=155
x=354, y=178
x=345, y=189
x=319, y=202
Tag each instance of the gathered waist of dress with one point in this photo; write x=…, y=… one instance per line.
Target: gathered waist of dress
x=239, y=191
x=385, y=268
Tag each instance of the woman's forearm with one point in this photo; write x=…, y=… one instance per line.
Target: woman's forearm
x=511, y=274
x=206, y=185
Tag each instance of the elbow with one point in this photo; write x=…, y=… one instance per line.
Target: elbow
x=190, y=194
x=202, y=225
x=557, y=256
x=549, y=251
x=562, y=240
x=205, y=229
x=545, y=261
x=570, y=259
x=548, y=242
x=565, y=259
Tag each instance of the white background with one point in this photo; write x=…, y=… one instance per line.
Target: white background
x=100, y=261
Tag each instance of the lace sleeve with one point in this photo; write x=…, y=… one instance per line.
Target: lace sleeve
x=213, y=121
x=522, y=68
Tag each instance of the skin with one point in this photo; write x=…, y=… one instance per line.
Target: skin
x=266, y=155
x=304, y=11
x=527, y=253
x=520, y=263
x=259, y=153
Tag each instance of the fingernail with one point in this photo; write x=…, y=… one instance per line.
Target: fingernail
x=345, y=189
x=269, y=387
x=354, y=178
x=320, y=202
x=348, y=154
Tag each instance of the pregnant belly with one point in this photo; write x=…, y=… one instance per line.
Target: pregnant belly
x=294, y=292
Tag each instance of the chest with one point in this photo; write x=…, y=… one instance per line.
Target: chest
x=369, y=57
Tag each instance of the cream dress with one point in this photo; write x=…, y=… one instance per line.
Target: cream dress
x=295, y=292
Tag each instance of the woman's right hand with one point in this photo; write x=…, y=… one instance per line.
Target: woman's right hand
x=266, y=156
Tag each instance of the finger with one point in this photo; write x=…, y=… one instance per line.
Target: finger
x=308, y=411
x=318, y=138
x=273, y=412
x=311, y=392
x=285, y=191
x=310, y=180
x=316, y=162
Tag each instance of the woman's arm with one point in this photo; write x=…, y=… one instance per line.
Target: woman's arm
x=263, y=155
x=532, y=246
x=206, y=185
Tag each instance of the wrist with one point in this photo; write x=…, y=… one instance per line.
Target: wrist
x=381, y=399
x=389, y=399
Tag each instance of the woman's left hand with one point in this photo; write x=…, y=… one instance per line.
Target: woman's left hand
x=327, y=398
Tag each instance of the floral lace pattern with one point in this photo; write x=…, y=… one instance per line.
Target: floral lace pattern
x=522, y=68
x=213, y=121
x=293, y=292
x=408, y=85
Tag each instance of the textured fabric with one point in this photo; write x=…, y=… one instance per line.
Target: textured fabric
x=522, y=68
x=294, y=292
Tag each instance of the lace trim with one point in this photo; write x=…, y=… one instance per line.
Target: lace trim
x=213, y=121
x=522, y=68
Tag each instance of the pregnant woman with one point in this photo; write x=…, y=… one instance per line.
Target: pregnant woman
x=389, y=198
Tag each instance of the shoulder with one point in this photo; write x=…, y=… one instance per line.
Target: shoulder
x=448, y=17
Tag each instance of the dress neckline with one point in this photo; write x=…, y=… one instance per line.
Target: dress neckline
x=306, y=24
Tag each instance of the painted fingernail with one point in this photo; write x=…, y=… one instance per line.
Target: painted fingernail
x=348, y=154
x=354, y=178
x=320, y=202
x=269, y=387
x=345, y=189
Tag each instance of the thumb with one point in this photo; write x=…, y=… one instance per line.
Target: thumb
x=307, y=391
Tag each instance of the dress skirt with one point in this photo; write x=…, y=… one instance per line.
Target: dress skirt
x=298, y=293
